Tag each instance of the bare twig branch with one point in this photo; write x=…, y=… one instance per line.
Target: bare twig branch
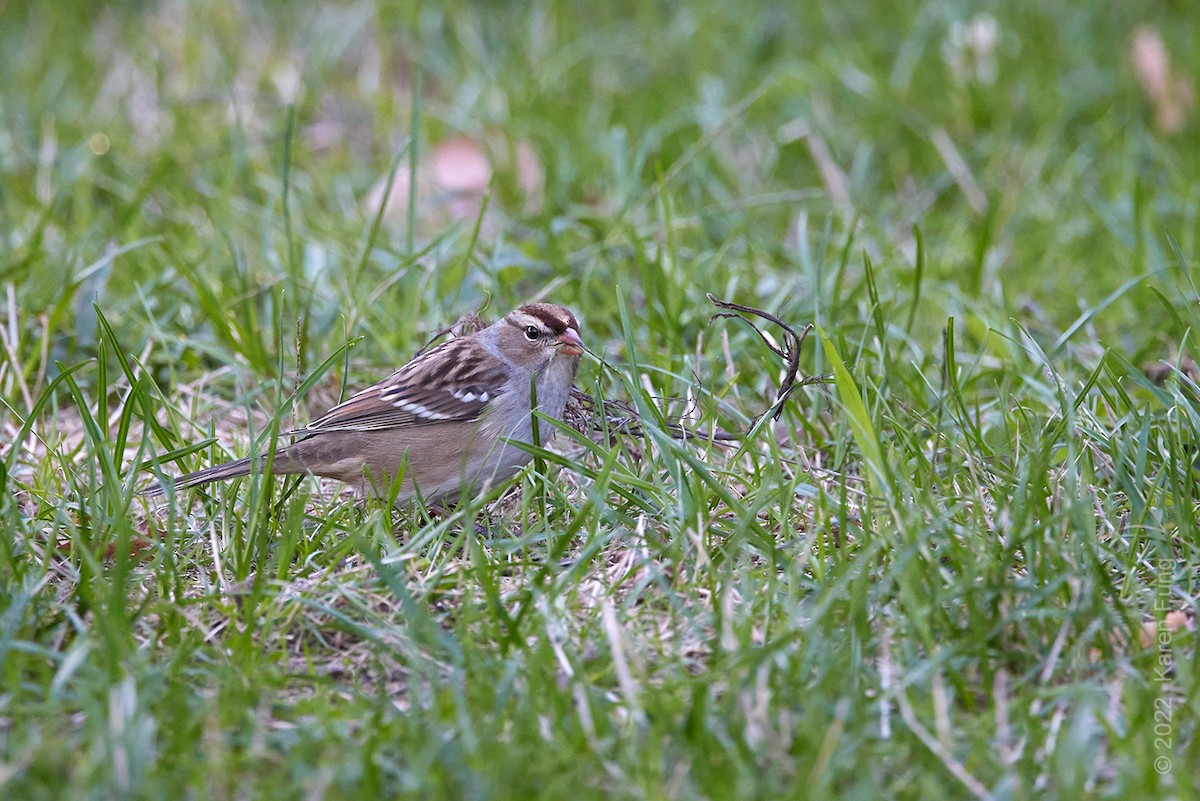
x=789, y=352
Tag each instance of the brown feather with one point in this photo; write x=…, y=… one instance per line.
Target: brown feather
x=395, y=400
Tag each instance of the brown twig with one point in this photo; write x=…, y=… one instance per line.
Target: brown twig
x=790, y=352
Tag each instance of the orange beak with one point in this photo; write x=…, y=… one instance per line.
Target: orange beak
x=569, y=343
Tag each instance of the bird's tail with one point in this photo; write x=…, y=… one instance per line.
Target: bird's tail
x=284, y=464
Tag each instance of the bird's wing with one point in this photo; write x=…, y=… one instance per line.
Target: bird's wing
x=436, y=387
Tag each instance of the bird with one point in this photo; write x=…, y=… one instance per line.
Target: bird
x=446, y=421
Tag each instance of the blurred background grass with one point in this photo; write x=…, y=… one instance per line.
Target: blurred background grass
x=167, y=124
x=212, y=177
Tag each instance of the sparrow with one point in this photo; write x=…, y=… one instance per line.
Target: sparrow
x=444, y=424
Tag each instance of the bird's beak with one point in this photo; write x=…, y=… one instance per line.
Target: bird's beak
x=569, y=343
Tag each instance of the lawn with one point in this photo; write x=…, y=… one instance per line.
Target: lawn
x=957, y=558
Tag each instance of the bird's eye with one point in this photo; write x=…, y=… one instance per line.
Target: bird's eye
x=531, y=332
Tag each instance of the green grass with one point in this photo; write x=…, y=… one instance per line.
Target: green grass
x=937, y=575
